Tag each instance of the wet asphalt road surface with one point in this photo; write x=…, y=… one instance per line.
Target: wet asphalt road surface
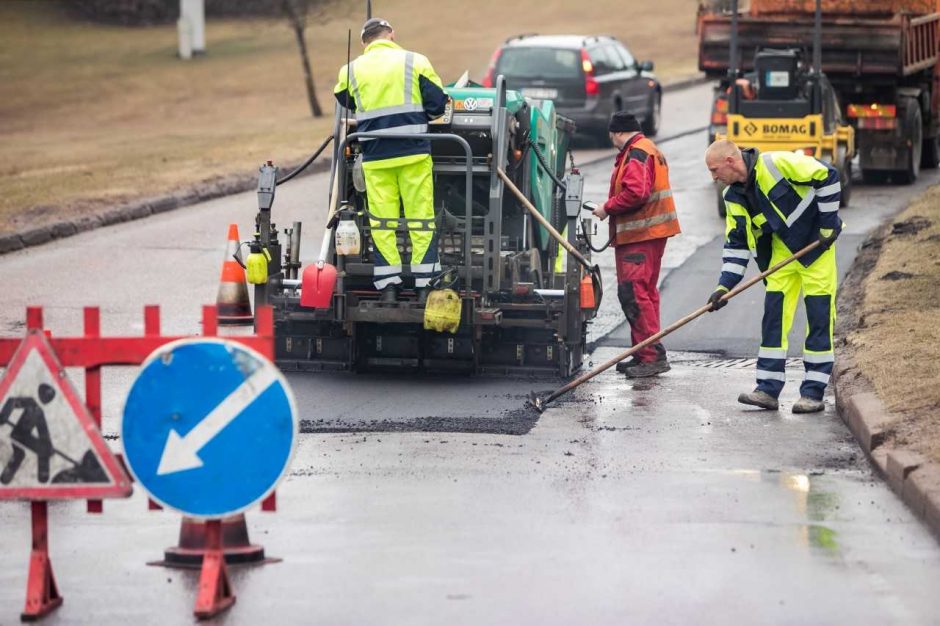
x=444, y=500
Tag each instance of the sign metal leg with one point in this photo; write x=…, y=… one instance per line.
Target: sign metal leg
x=215, y=592
x=42, y=593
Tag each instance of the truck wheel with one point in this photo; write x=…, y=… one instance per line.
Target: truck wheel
x=720, y=201
x=930, y=153
x=913, y=128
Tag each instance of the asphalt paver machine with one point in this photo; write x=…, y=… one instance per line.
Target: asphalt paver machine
x=525, y=303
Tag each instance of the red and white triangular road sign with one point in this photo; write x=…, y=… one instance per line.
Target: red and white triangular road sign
x=50, y=447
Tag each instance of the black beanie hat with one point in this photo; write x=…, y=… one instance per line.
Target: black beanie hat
x=374, y=25
x=623, y=122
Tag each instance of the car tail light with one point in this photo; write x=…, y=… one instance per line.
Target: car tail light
x=720, y=112
x=591, y=87
x=490, y=79
x=872, y=110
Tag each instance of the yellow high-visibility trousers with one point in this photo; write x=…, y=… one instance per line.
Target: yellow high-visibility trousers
x=391, y=185
x=818, y=284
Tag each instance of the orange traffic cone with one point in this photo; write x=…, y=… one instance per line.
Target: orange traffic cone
x=233, y=304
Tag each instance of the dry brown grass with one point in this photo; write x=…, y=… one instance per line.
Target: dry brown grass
x=93, y=114
x=898, y=345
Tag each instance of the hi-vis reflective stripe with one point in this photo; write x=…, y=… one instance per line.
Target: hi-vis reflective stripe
x=772, y=167
x=768, y=375
x=817, y=377
x=777, y=176
x=828, y=207
x=385, y=282
x=733, y=268
x=826, y=357
x=650, y=221
x=801, y=207
x=392, y=110
x=828, y=190
x=409, y=77
x=425, y=268
x=407, y=129
x=355, y=87
x=736, y=254
x=772, y=353
x=659, y=195
x=385, y=270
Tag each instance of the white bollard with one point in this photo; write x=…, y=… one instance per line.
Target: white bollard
x=195, y=12
x=184, y=30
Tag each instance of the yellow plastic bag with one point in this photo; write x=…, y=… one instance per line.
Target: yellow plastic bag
x=442, y=311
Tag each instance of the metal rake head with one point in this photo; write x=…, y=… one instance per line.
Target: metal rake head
x=535, y=402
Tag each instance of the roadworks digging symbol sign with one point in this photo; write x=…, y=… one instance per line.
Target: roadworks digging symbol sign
x=209, y=427
x=50, y=446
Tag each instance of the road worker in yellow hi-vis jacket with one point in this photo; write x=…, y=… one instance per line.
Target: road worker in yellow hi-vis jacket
x=778, y=203
x=393, y=90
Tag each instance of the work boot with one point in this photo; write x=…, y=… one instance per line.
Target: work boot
x=423, y=295
x=389, y=295
x=645, y=370
x=760, y=399
x=808, y=405
x=623, y=366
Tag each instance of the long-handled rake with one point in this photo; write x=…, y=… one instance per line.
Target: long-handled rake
x=540, y=403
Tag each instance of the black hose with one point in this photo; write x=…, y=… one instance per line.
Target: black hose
x=548, y=170
x=602, y=248
x=564, y=188
x=306, y=163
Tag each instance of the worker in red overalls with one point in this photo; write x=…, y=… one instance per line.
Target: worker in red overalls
x=642, y=217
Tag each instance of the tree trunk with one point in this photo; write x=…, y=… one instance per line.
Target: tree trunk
x=308, y=73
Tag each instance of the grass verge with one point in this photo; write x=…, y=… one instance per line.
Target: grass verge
x=896, y=343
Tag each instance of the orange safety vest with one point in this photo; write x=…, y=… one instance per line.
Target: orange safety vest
x=657, y=218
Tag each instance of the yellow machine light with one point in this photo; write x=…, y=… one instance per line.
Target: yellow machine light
x=442, y=311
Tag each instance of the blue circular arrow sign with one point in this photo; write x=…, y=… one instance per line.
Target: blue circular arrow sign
x=209, y=427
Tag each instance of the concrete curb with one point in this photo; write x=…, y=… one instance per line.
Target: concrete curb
x=912, y=477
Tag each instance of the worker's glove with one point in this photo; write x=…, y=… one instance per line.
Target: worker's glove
x=715, y=299
x=827, y=237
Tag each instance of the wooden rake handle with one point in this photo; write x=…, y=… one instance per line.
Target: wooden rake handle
x=679, y=324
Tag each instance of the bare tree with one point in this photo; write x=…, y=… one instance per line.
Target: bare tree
x=298, y=12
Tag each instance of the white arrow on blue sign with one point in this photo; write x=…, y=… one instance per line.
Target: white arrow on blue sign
x=209, y=427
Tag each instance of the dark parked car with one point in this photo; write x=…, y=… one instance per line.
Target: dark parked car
x=587, y=77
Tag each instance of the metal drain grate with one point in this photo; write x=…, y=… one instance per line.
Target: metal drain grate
x=738, y=363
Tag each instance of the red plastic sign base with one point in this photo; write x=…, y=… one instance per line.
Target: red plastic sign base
x=215, y=591
x=42, y=593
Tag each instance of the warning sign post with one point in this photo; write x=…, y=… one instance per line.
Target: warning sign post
x=51, y=446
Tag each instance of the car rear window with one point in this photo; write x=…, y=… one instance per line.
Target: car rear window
x=548, y=63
